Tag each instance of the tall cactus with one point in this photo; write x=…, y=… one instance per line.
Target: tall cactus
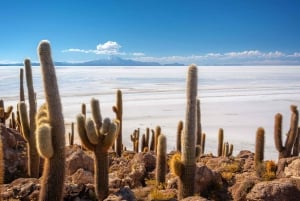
x=161, y=160
x=220, y=141
x=187, y=163
x=28, y=127
x=98, y=136
x=51, y=134
x=259, y=150
x=285, y=151
x=118, y=109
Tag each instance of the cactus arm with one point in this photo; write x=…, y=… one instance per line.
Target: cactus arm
x=9, y=110
x=24, y=121
x=176, y=166
x=91, y=132
x=44, y=141
x=110, y=136
x=96, y=113
x=289, y=143
x=82, y=132
x=278, y=132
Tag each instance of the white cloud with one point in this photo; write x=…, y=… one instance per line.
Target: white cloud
x=138, y=54
x=107, y=48
x=110, y=47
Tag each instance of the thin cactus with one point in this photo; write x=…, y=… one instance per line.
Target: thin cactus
x=83, y=109
x=199, y=127
x=152, y=140
x=22, y=95
x=147, y=137
x=118, y=110
x=259, y=151
x=220, y=141
x=296, y=148
x=28, y=127
x=135, y=139
x=161, y=160
x=143, y=143
x=52, y=182
x=71, y=135
x=178, y=137
x=157, y=134
x=285, y=151
x=98, y=136
x=203, y=143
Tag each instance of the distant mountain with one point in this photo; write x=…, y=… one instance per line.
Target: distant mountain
x=112, y=61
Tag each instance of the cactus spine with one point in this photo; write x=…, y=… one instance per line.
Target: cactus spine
x=118, y=109
x=285, y=151
x=98, y=136
x=178, y=137
x=186, y=184
x=220, y=141
x=161, y=160
x=54, y=167
x=259, y=150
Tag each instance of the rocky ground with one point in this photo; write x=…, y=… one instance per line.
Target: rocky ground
x=132, y=176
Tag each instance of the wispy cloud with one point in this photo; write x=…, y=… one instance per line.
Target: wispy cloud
x=247, y=57
x=107, y=48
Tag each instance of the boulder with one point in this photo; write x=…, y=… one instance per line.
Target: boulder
x=124, y=193
x=293, y=169
x=285, y=189
x=76, y=158
x=15, y=154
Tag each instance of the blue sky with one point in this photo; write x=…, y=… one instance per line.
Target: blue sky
x=166, y=31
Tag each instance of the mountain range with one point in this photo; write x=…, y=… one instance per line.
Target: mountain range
x=111, y=61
